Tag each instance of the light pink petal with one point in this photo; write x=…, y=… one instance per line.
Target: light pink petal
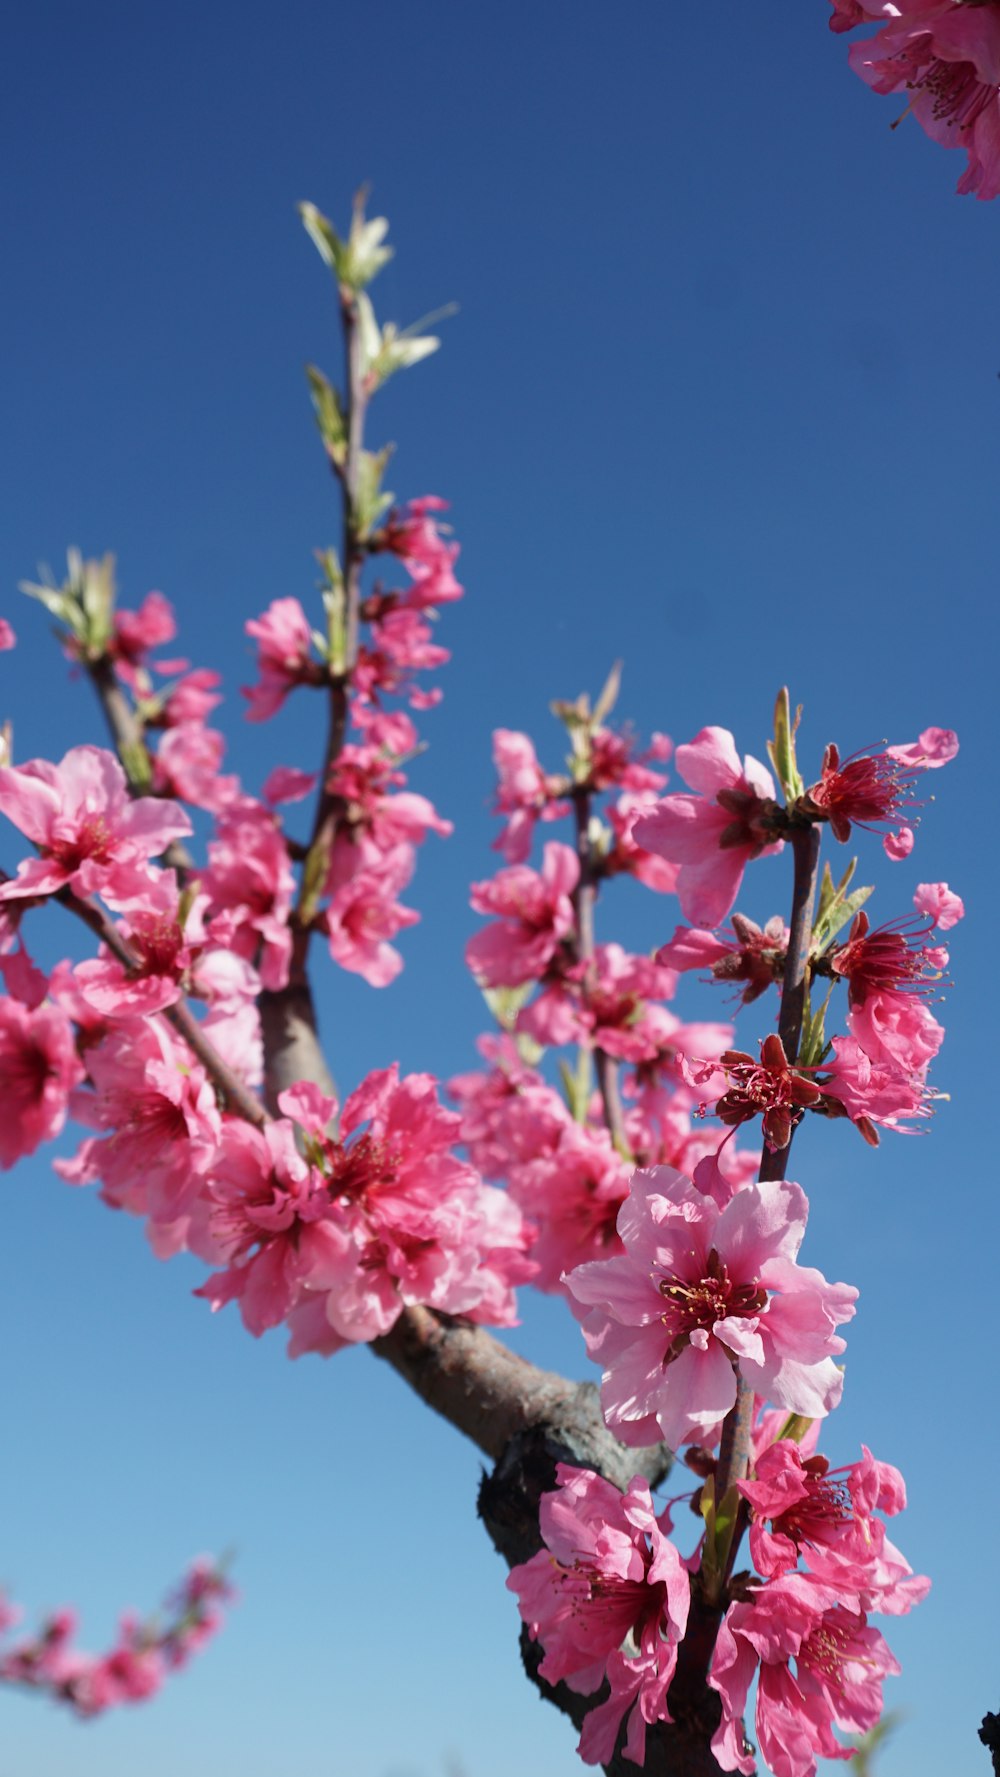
x=710, y=762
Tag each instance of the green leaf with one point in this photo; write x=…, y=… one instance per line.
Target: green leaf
x=84, y=604
x=813, y=1039
x=782, y=748
x=609, y=695
x=314, y=874
x=369, y=501
x=577, y=1086
x=330, y=416
x=505, y=1003
x=388, y=349
x=836, y=916
x=325, y=239
x=794, y=1427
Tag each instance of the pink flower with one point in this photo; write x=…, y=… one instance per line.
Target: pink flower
x=840, y=1663
x=39, y=1067
x=525, y=795
x=872, y=789
x=136, y=632
x=536, y=914
x=573, y=1195
x=192, y=698
x=701, y=1293
x=416, y=538
x=899, y=845
x=714, y=834
x=364, y=914
x=873, y=1090
x=947, y=61
x=156, y=939
x=284, y=643
x=602, y=1002
x=510, y=1116
x=249, y=885
x=751, y=954
x=7, y=637
x=769, y=1088
x=826, y=1517
x=286, y=783
x=91, y=836
x=629, y=858
x=186, y=765
x=608, y=1597
x=940, y=904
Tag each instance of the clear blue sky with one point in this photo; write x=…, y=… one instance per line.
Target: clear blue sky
x=721, y=399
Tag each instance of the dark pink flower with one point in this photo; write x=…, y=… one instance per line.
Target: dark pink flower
x=284, y=657
x=536, y=914
x=525, y=795
x=7, y=637
x=946, y=59
x=840, y=1664
x=608, y=1597
x=39, y=1067
x=715, y=833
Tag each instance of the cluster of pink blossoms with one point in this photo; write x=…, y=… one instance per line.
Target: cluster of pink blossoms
x=875, y=1073
x=142, y=1658
x=942, y=57
x=609, y=1599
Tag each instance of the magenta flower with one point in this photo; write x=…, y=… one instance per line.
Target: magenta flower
x=872, y=790
x=92, y=836
x=715, y=833
x=284, y=657
x=364, y=914
x=608, y=1597
x=572, y=1194
x=524, y=794
x=39, y=1067
x=536, y=914
x=840, y=1664
x=873, y=1091
x=946, y=60
x=701, y=1293
x=826, y=1518
x=7, y=637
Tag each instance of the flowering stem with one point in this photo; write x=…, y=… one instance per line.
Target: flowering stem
x=236, y=1095
x=354, y=551
x=734, y=1447
x=584, y=901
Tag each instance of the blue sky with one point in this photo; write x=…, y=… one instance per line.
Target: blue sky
x=722, y=400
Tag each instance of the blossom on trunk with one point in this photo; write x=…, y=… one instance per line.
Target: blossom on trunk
x=840, y=1664
x=715, y=833
x=608, y=1597
x=92, y=836
x=700, y=1294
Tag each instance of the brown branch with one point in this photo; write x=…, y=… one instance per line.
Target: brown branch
x=584, y=903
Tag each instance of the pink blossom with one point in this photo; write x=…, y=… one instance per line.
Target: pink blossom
x=415, y=537
x=284, y=643
x=510, y=1116
x=91, y=836
x=608, y=1597
x=159, y=1109
x=525, y=795
x=871, y=790
x=946, y=60
x=873, y=1091
x=249, y=881
x=826, y=1517
x=840, y=1663
x=192, y=698
x=601, y=1002
x=535, y=915
x=629, y=858
x=572, y=1194
x=162, y=958
x=715, y=833
x=936, y=747
x=374, y=806
x=364, y=914
x=7, y=637
x=286, y=783
x=615, y=764
x=898, y=845
x=701, y=1293
x=749, y=954
x=39, y=1067
x=136, y=632
x=186, y=765
x=769, y=1088
x=408, y=1211
x=940, y=904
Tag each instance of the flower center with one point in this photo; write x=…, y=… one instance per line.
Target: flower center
x=700, y=1303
